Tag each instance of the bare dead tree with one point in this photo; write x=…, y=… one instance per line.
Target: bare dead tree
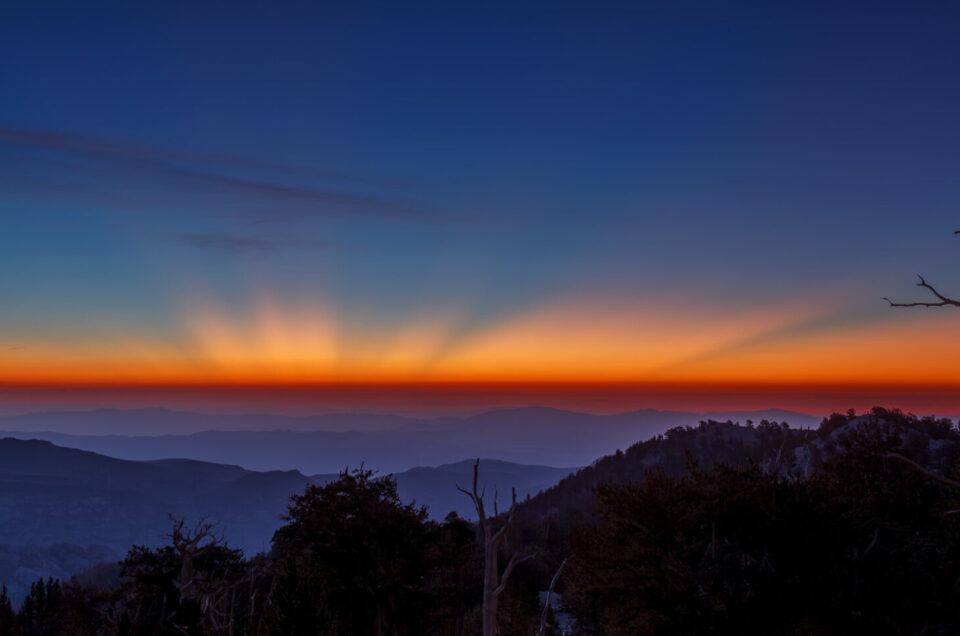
x=942, y=301
x=186, y=541
x=494, y=582
x=546, y=603
x=952, y=483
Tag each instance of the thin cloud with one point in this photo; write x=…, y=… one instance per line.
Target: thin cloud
x=239, y=244
x=325, y=202
x=281, y=201
x=107, y=149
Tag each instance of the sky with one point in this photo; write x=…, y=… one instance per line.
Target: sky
x=593, y=205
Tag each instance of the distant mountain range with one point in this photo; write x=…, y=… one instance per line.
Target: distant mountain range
x=328, y=443
x=70, y=501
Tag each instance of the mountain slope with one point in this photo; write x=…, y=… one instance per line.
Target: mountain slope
x=52, y=494
x=929, y=441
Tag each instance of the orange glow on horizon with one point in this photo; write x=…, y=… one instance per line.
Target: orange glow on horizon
x=579, y=341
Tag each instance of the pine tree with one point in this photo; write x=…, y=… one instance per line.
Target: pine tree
x=7, y=615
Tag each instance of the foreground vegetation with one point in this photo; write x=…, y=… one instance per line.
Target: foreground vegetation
x=720, y=528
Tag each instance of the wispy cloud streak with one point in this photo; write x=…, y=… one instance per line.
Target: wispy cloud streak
x=241, y=244
x=196, y=175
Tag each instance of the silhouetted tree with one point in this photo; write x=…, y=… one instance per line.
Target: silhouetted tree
x=351, y=560
x=454, y=579
x=40, y=613
x=151, y=601
x=8, y=619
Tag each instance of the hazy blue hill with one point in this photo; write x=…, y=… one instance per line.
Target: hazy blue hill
x=534, y=435
x=52, y=494
x=200, y=469
x=437, y=487
x=63, y=510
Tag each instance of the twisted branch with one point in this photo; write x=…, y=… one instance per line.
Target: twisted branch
x=929, y=473
x=944, y=300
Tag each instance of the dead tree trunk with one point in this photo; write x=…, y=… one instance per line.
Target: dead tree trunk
x=494, y=582
x=186, y=542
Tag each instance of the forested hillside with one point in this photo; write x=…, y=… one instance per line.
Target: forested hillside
x=719, y=528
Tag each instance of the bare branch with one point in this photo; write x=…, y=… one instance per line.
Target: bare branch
x=509, y=520
x=468, y=494
x=477, y=497
x=515, y=560
x=546, y=604
x=929, y=473
x=944, y=300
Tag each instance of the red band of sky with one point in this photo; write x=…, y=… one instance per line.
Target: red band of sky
x=438, y=398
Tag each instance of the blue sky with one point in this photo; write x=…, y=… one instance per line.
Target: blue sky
x=399, y=160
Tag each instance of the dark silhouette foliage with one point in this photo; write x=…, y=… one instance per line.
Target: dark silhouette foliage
x=8, y=618
x=718, y=528
x=352, y=560
x=866, y=545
